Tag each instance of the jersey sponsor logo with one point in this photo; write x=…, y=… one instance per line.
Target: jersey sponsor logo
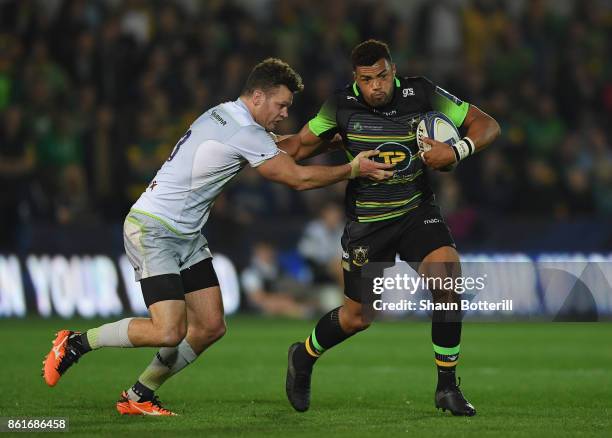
x=360, y=255
x=386, y=113
x=358, y=127
x=408, y=92
x=441, y=91
x=215, y=115
x=434, y=220
x=395, y=153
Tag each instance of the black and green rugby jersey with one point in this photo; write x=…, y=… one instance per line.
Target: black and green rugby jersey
x=391, y=130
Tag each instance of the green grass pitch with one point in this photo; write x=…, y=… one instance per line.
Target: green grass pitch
x=525, y=379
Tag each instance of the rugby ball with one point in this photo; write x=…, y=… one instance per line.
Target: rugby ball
x=438, y=126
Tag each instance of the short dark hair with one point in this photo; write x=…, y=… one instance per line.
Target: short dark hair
x=368, y=52
x=270, y=73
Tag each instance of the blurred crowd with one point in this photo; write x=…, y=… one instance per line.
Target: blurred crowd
x=95, y=93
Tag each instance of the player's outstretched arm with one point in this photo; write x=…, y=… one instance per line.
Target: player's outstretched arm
x=306, y=144
x=283, y=169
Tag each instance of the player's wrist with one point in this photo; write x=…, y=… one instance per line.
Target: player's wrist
x=463, y=148
x=353, y=171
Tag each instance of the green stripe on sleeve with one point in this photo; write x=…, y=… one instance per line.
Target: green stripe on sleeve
x=324, y=121
x=453, y=107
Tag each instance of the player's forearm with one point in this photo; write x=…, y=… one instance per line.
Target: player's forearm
x=304, y=144
x=313, y=177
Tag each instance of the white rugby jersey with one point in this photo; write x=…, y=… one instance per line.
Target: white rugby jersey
x=214, y=149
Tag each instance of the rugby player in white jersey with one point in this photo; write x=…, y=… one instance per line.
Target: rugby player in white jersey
x=163, y=240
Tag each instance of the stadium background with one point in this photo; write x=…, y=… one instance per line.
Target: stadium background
x=94, y=95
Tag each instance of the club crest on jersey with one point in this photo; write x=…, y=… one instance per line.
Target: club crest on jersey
x=413, y=123
x=357, y=127
x=360, y=255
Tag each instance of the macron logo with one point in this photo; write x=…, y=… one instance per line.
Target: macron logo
x=432, y=221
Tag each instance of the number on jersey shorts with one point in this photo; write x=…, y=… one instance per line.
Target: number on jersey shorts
x=154, y=248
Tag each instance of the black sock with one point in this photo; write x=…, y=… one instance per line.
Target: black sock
x=325, y=335
x=79, y=342
x=142, y=391
x=446, y=337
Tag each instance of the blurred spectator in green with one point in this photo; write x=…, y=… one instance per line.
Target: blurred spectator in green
x=545, y=129
x=61, y=173
x=9, y=53
x=513, y=60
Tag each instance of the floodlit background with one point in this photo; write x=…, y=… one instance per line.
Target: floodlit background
x=94, y=95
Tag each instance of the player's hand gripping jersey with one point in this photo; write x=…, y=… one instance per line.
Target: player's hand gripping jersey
x=212, y=152
x=391, y=130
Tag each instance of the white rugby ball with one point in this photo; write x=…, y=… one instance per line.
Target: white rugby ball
x=438, y=126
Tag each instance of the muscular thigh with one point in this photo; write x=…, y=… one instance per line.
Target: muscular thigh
x=202, y=294
x=423, y=232
x=367, y=248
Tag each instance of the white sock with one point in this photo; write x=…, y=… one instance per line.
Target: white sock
x=114, y=334
x=167, y=362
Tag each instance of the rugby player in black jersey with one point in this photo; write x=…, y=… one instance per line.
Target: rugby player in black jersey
x=381, y=111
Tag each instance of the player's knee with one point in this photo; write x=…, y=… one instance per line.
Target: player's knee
x=218, y=330
x=206, y=335
x=171, y=336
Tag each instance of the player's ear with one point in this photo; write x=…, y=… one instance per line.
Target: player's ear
x=393, y=69
x=258, y=97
